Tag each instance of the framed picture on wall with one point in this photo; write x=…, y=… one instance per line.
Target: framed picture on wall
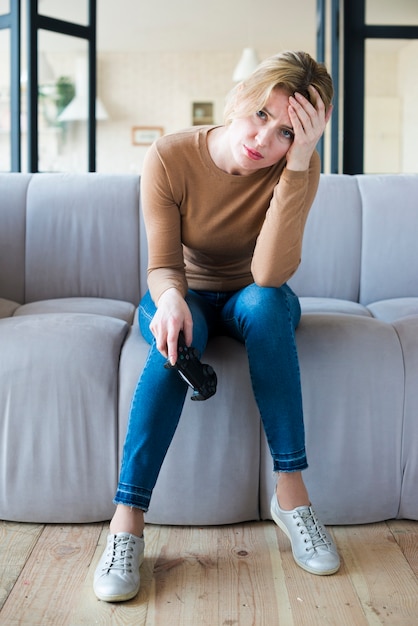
x=146, y=135
x=202, y=113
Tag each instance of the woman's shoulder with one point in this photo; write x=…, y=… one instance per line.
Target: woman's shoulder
x=182, y=152
x=185, y=138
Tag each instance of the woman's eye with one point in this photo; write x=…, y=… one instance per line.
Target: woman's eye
x=262, y=115
x=287, y=134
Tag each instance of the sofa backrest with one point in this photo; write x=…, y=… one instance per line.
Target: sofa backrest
x=331, y=252
x=82, y=237
x=13, y=191
x=64, y=235
x=389, y=267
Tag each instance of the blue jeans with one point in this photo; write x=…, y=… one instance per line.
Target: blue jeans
x=262, y=318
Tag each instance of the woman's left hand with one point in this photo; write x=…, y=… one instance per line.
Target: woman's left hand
x=308, y=122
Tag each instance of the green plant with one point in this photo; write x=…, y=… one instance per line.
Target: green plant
x=65, y=92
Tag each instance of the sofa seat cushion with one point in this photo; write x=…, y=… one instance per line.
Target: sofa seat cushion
x=210, y=475
x=98, y=306
x=407, y=329
x=353, y=396
x=58, y=426
x=7, y=307
x=394, y=309
x=332, y=305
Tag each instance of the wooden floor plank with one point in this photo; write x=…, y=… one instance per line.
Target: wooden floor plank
x=241, y=575
x=383, y=580
x=44, y=592
x=16, y=544
x=406, y=535
x=278, y=574
x=211, y=576
x=319, y=600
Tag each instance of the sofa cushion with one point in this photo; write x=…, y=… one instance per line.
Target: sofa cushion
x=394, y=309
x=407, y=329
x=58, y=426
x=353, y=393
x=13, y=191
x=211, y=472
x=83, y=237
x=332, y=305
x=7, y=307
x=389, y=267
x=330, y=266
x=98, y=306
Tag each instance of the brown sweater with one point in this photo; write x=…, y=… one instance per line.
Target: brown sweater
x=215, y=231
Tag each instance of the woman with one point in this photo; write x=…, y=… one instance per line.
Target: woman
x=225, y=209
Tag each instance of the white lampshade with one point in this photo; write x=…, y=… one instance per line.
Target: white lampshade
x=246, y=65
x=77, y=110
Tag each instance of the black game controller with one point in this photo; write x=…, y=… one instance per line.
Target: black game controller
x=200, y=376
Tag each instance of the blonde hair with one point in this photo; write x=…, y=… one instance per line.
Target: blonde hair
x=290, y=71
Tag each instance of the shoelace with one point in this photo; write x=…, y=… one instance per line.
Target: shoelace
x=117, y=556
x=314, y=529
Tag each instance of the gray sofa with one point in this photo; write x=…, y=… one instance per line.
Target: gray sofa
x=72, y=269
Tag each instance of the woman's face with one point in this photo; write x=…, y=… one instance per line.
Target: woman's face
x=262, y=138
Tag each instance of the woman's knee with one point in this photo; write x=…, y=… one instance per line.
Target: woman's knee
x=263, y=303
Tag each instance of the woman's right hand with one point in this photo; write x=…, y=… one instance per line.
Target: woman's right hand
x=172, y=316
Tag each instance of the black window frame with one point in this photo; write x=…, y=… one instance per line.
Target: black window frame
x=37, y=22
x=11, y=21
x=356, y=32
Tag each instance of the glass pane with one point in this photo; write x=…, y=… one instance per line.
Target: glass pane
x=76, y=12
x=4, y=7
x=399, y=13
x=62, y=103
x=391, y=120
x=5, y=127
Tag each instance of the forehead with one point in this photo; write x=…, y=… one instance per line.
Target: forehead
x=277, y=103
x=278, y=93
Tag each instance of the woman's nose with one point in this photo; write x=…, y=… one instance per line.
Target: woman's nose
x=262, y=136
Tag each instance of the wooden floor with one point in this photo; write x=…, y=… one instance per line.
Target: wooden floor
x=225, y=576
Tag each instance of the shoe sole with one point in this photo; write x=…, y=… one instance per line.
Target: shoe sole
x=119, y=598
x=283, y=527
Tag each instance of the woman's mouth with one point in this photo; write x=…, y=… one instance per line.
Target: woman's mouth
x=254, y=155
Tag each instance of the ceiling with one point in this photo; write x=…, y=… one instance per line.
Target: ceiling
x=194, y=25
x=204, y=25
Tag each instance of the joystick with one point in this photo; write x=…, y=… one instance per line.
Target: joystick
x=199, y=376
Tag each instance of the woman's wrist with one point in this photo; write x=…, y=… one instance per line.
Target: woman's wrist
x=171, y=292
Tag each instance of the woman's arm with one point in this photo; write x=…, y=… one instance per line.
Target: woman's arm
x=163, y=227
x=166, y=276
x=278, y=249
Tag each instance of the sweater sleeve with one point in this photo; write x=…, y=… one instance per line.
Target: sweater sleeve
x=278, y=249
x=163, y=227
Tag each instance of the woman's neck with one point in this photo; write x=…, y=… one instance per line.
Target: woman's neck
x=218, y=148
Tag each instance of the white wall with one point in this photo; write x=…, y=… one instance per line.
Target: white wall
x=391, y=111
x=408, y=89
x=155, y=89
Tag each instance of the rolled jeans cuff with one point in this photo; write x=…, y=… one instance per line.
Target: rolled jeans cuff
x=295, y=462
x=133, y=496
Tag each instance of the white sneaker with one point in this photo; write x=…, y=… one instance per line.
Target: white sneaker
x=313, y=548
x=117, y=574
